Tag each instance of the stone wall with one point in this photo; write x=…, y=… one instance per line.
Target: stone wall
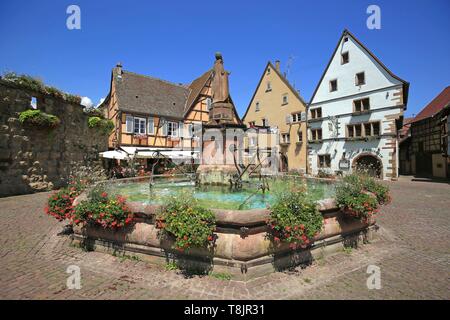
x=38, y=159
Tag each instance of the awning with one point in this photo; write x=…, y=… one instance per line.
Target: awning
x=143, y=152
x=116, y=154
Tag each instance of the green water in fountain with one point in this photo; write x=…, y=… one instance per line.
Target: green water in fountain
x=221, y=197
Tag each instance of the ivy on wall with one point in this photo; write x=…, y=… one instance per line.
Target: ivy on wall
x=103, y=125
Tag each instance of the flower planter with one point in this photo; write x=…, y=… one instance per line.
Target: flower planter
x=241, y=248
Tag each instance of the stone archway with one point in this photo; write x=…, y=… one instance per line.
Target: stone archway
x=368, y=163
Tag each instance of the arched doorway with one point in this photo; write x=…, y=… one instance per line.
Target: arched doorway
x=368, y=163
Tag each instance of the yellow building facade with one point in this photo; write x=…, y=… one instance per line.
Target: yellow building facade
x=277, y=105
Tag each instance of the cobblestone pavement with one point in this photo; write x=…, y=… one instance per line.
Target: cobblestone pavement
x=412, y=250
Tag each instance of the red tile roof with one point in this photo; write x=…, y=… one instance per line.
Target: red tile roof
x=436, y=105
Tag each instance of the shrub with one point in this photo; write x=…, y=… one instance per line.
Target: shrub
x=93, y=121
x=105, y=126
x=94, y=112
x=106, y=211
x=325, y=175
x=38, y=118
x=294, y=218
x=182, y=217
x=60, y=204
x=359, y=196
x=380, y=190
x=25, y=81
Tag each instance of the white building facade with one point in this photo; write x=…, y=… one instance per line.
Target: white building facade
x=354, y=114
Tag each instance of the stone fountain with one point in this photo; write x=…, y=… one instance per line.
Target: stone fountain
x=221, y=134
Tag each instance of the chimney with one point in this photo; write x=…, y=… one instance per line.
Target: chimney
x=119, y=68
x=277, y=65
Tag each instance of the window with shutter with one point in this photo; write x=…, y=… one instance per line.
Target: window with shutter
x=151, y=126
x=288, y=119
x=189, y=130
x=180, y=129
x=129, y=124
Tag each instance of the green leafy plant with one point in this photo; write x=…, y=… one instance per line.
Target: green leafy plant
x=38, y=118
x=221, y=275
x=105, y=126
x=105, y=210
x=60, y=203
x=294, y=218
x=359, y=196
x=171, y=266
x=347, y=250
x=324, y=175
x=183, y=218
x=380, y=190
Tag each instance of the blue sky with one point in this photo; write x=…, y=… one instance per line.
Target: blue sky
x=176, y=41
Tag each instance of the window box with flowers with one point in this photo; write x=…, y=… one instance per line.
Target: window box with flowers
x=140, y=136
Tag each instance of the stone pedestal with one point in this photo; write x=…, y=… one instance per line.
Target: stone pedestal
x=221, y=112
x=216, y=174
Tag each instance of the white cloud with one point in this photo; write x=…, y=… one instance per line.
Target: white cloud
x=85, y=101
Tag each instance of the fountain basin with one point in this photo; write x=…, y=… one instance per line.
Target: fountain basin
x=241, y=248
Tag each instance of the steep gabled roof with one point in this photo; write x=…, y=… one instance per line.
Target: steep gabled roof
x=196, y=88
x=348, y=33
x=441, y=101
x=148, y=95
x=285, y=81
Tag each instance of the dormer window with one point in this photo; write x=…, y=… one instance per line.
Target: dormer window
x=360, y=79
x=344, y=58
x=333, y=85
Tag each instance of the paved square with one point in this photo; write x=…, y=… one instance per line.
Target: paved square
x=412, y=249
